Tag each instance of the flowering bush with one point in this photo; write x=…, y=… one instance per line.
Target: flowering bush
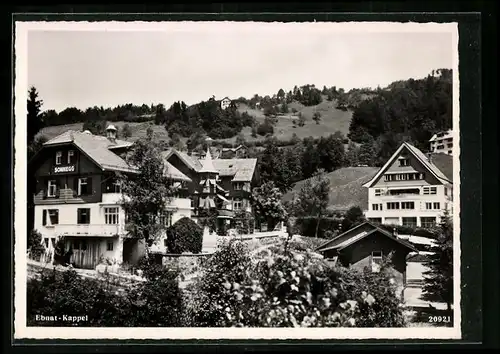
x=292, y=289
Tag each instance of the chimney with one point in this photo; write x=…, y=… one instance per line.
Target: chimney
x=394, y=232
x=429, y=156
x=111, y=133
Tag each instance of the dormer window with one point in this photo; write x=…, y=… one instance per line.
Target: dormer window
x=404, y=162
x=58, y=157
x=71, y=157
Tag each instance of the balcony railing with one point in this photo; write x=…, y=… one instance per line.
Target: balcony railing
x=102, y=230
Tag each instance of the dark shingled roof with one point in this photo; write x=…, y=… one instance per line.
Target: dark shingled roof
x=445, y=164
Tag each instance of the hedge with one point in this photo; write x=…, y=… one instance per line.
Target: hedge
x=185, y=236
x=306, y=226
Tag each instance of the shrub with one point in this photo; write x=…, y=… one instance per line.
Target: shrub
x=35, y=245
x=306, y=226
x=155, y=302
x=294, y=289
x=265, y=128
x=185, y=236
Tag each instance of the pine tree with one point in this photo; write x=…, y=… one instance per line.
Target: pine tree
x=438, y=280
x=34, y=120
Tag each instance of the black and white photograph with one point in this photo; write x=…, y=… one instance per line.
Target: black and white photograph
x=275, y=179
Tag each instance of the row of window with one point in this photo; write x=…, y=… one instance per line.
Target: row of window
x=70, y=157
x=425, y=190
x=425, y=221
x=83, y=186
x=411, y=176
x=406, y=206
x=111, y=216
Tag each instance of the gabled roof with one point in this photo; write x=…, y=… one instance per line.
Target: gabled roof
x=420, y=156
x=242, y=170
x=173, y=173
x=96, y=147
x=341, y=244
x=189, y=161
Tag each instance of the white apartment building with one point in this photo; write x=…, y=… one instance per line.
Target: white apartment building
x=78, y=196
x=442, y=142
x=411, y=189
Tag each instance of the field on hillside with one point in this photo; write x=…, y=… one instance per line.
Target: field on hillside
x=346, y=187
x=332, y=120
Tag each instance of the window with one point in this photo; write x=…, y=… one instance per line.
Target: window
x=374, y=206
x=376, y=261
x=52, y=188
x=404, y=162
x=407, y=205
x=165, y=242
x=430, y=190
x=53, y=216
x=376, y=220
x=428, y=206
x=117, y=187
x=83, y=215
x=378, y=192
x=392, y=205
x=427, y=222
x=237, y=204
x=238, y=186
x=445, y=191
x=111, y=215
x=71, y=156
x=46, y=241
x=404, y=176
x=436, y=205
x=109, y=246
x=410, y=222
x=58, y=157
x=83, y=186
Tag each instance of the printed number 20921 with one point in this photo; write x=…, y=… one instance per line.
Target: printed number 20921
x=439, y=319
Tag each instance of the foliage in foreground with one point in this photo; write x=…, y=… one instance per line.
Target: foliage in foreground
x=289, y=290
x=155, y=302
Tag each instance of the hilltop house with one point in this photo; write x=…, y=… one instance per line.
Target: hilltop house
x=221, y=185
x=442, y=142
x=78, y=196
x=366, y=245
x=411, y=189
x=225, y=103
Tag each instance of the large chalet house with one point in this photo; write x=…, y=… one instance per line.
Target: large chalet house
x=412, y=189
x=78, y=196
x=220, y=185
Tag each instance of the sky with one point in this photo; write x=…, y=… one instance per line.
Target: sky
x=72, y=68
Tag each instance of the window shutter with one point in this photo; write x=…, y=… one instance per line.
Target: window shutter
x=58, y=188
x=88, y=213
x=44, y=217
x=89, y=186
x=44, y=192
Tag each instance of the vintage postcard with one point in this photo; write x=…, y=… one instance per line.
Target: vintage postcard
x=278, y=180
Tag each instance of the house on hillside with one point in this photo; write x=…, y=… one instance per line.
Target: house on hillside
x=219, y=185
x=442, y=142
x=225, y=103
x=78, y=196
x=239, y=152
x=411, y=189
x=365, y=246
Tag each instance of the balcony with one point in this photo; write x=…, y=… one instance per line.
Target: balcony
x=96, y=230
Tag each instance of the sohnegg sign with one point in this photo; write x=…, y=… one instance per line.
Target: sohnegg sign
x=59, y=169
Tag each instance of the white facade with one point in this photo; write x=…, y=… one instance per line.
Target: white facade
x=419, y=210
x=409, y=190
x=106, y=225
x=442, y=143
